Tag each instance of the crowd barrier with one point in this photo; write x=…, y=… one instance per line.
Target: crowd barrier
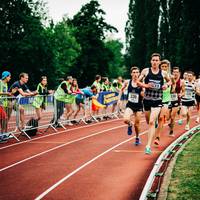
x=17, y=114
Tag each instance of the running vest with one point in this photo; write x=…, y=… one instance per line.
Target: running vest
x=134, y=94
x=189, y=92
x=166, y=94
x=174, y=95
x=156, y=92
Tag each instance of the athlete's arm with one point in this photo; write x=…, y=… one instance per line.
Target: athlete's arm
x=182, y=88
x=168, y=80
x=122, y=89
x=140, y=80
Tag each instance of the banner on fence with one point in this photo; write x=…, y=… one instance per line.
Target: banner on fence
x=108, y=98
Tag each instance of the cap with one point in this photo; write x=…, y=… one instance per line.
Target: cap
x=5, y=74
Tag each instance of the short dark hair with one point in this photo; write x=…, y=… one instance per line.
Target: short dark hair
x=190, y=72
x=97, y=77
x=42, y=78
x=93, y=87
x=22, y=75
x=69, y=78
x=156, y=54
x=176, y=68
x=134, y=68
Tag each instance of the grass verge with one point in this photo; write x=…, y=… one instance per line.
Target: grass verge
x=185, y=180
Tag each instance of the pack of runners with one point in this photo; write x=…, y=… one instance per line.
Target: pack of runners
x=160, y=92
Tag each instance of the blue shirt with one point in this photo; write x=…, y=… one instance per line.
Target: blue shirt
x=87, y=92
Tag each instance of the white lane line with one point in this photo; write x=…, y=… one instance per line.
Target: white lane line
x=81, y=167
x=60, y=146
x=132, y=151
x=56, y=133
x=84, y=165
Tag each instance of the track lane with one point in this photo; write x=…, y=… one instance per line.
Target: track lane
x=91, y=147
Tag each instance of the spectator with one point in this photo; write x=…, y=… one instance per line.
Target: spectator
x=63, y=97
x=19, y=88
x=4, y=105
x=40, y=101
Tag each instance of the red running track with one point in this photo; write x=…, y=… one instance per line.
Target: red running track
x=96, y=161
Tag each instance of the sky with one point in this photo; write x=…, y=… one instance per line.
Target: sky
x=116, y=12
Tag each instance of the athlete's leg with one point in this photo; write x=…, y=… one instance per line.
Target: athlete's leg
x=172, y=120
x=137, y=122
x=127, y=119
x=153, y=116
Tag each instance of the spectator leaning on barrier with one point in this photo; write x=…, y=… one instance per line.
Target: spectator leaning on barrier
x=63, y=97
x=40, y=101
x=79, y=101
x=70, y=99
x=84, y=93
x=21, y=90
x=4, y=105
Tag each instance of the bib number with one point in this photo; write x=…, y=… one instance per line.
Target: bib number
x=174, y=97
x=188, y=94
x=133, y=97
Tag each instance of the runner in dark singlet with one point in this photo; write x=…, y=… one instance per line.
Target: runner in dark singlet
x=175, y=98
x=134, y=105
x=154, y=85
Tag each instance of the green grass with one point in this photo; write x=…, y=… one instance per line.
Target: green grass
x=185, y=181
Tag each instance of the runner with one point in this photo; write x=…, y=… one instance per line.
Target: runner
x=197, y=97
x=185, y=78
x=188, y=98
x=166, y=101
x=134, y=105
x=154, y=83
x=175, y=97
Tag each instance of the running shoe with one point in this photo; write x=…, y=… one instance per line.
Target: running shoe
x=187, y=127
x=171, y=133
x=129, y=132
x=197, y=120
x=180, y=121
x=148, y=150
x=156, y=124
x=3, y=138
x=137, y=141
x=157, y=141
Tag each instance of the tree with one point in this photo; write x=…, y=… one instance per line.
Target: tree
x=90, y=32
x=116, y=60
x=135, y=34
x=23, y=43
x=65, y=48
x=163, y=32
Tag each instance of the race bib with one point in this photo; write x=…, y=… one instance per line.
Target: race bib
x=174, y=97
x=133, y=97
x=155, y=85
x=188, y=94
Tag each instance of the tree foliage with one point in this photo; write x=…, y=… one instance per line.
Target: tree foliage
x=171, y=27
x=90, y=32
x=116, y=61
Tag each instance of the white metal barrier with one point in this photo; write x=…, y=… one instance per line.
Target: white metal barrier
x=16, y=114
